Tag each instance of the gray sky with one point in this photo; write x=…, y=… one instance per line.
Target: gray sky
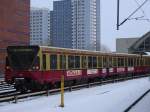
x=132, y=28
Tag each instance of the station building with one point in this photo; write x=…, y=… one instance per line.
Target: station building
x=123, y=44
x=142, y=45
x=14, y=25
x=139, y=45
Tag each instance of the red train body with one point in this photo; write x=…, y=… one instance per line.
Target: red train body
x=47, y=64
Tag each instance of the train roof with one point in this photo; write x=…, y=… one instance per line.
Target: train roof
x=77, y=51
x=68, y=50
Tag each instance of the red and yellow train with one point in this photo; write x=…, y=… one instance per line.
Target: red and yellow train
x=37, y=67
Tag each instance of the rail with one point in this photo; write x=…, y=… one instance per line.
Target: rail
x=136, y=101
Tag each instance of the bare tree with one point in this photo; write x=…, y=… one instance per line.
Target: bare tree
x=105, y=49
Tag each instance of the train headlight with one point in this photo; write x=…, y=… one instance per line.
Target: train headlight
x=7, y=67
x=37, y=67
x=33, y=67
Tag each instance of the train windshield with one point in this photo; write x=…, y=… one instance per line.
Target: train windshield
x=22, y=57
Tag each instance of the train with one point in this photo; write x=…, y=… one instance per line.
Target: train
x=41, y=67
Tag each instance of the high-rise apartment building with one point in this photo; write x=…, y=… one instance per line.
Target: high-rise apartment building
x=14, y=25
x=61, y=24
x=39, y=26
x=82, y=18
x=85, y=22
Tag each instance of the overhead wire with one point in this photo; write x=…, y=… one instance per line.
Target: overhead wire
x=128, y=18
x=140, y=17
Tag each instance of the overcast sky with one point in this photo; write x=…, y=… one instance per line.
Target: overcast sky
x=132, y=28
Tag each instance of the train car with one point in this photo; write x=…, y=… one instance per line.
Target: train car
x=41, y=67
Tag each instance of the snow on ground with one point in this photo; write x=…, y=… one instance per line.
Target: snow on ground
x=107, y=98
x=143, y=105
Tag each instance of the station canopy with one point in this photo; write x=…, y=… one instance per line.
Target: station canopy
x=142, y=45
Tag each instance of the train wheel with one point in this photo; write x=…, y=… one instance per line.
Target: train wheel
x=47, y=86
x=24, y=89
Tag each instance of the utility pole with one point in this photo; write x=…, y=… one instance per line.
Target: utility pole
x=118, y=12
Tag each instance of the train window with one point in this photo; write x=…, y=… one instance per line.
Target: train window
x=62, y=62
x=135, y=62
x=44, y=61
x=121, y=62
x=110, y=62
x=148, y=61
x=115, y=61
x=94, y=62
x=90, y=62
x=71, y=62
x=130, y=62
x=125, y=61
x=77, y=61
x=53, y=61
x=141, y=62
x=100, y=62
x=138, y=61
x=118, y=62
x=104, y=61
x=84, y=62
x=7, y=61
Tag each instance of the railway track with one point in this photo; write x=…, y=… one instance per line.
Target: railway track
x=4, y=87
x=14, y=96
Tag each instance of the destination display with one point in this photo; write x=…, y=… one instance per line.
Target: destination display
x=104, y=70
x=92, y=71
x=130, y=69
x=120, y=69
x=74, y=73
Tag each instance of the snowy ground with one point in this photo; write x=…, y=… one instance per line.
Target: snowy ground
x=107, y=98
x=143, y=105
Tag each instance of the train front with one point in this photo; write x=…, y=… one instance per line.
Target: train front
x=22, y=66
